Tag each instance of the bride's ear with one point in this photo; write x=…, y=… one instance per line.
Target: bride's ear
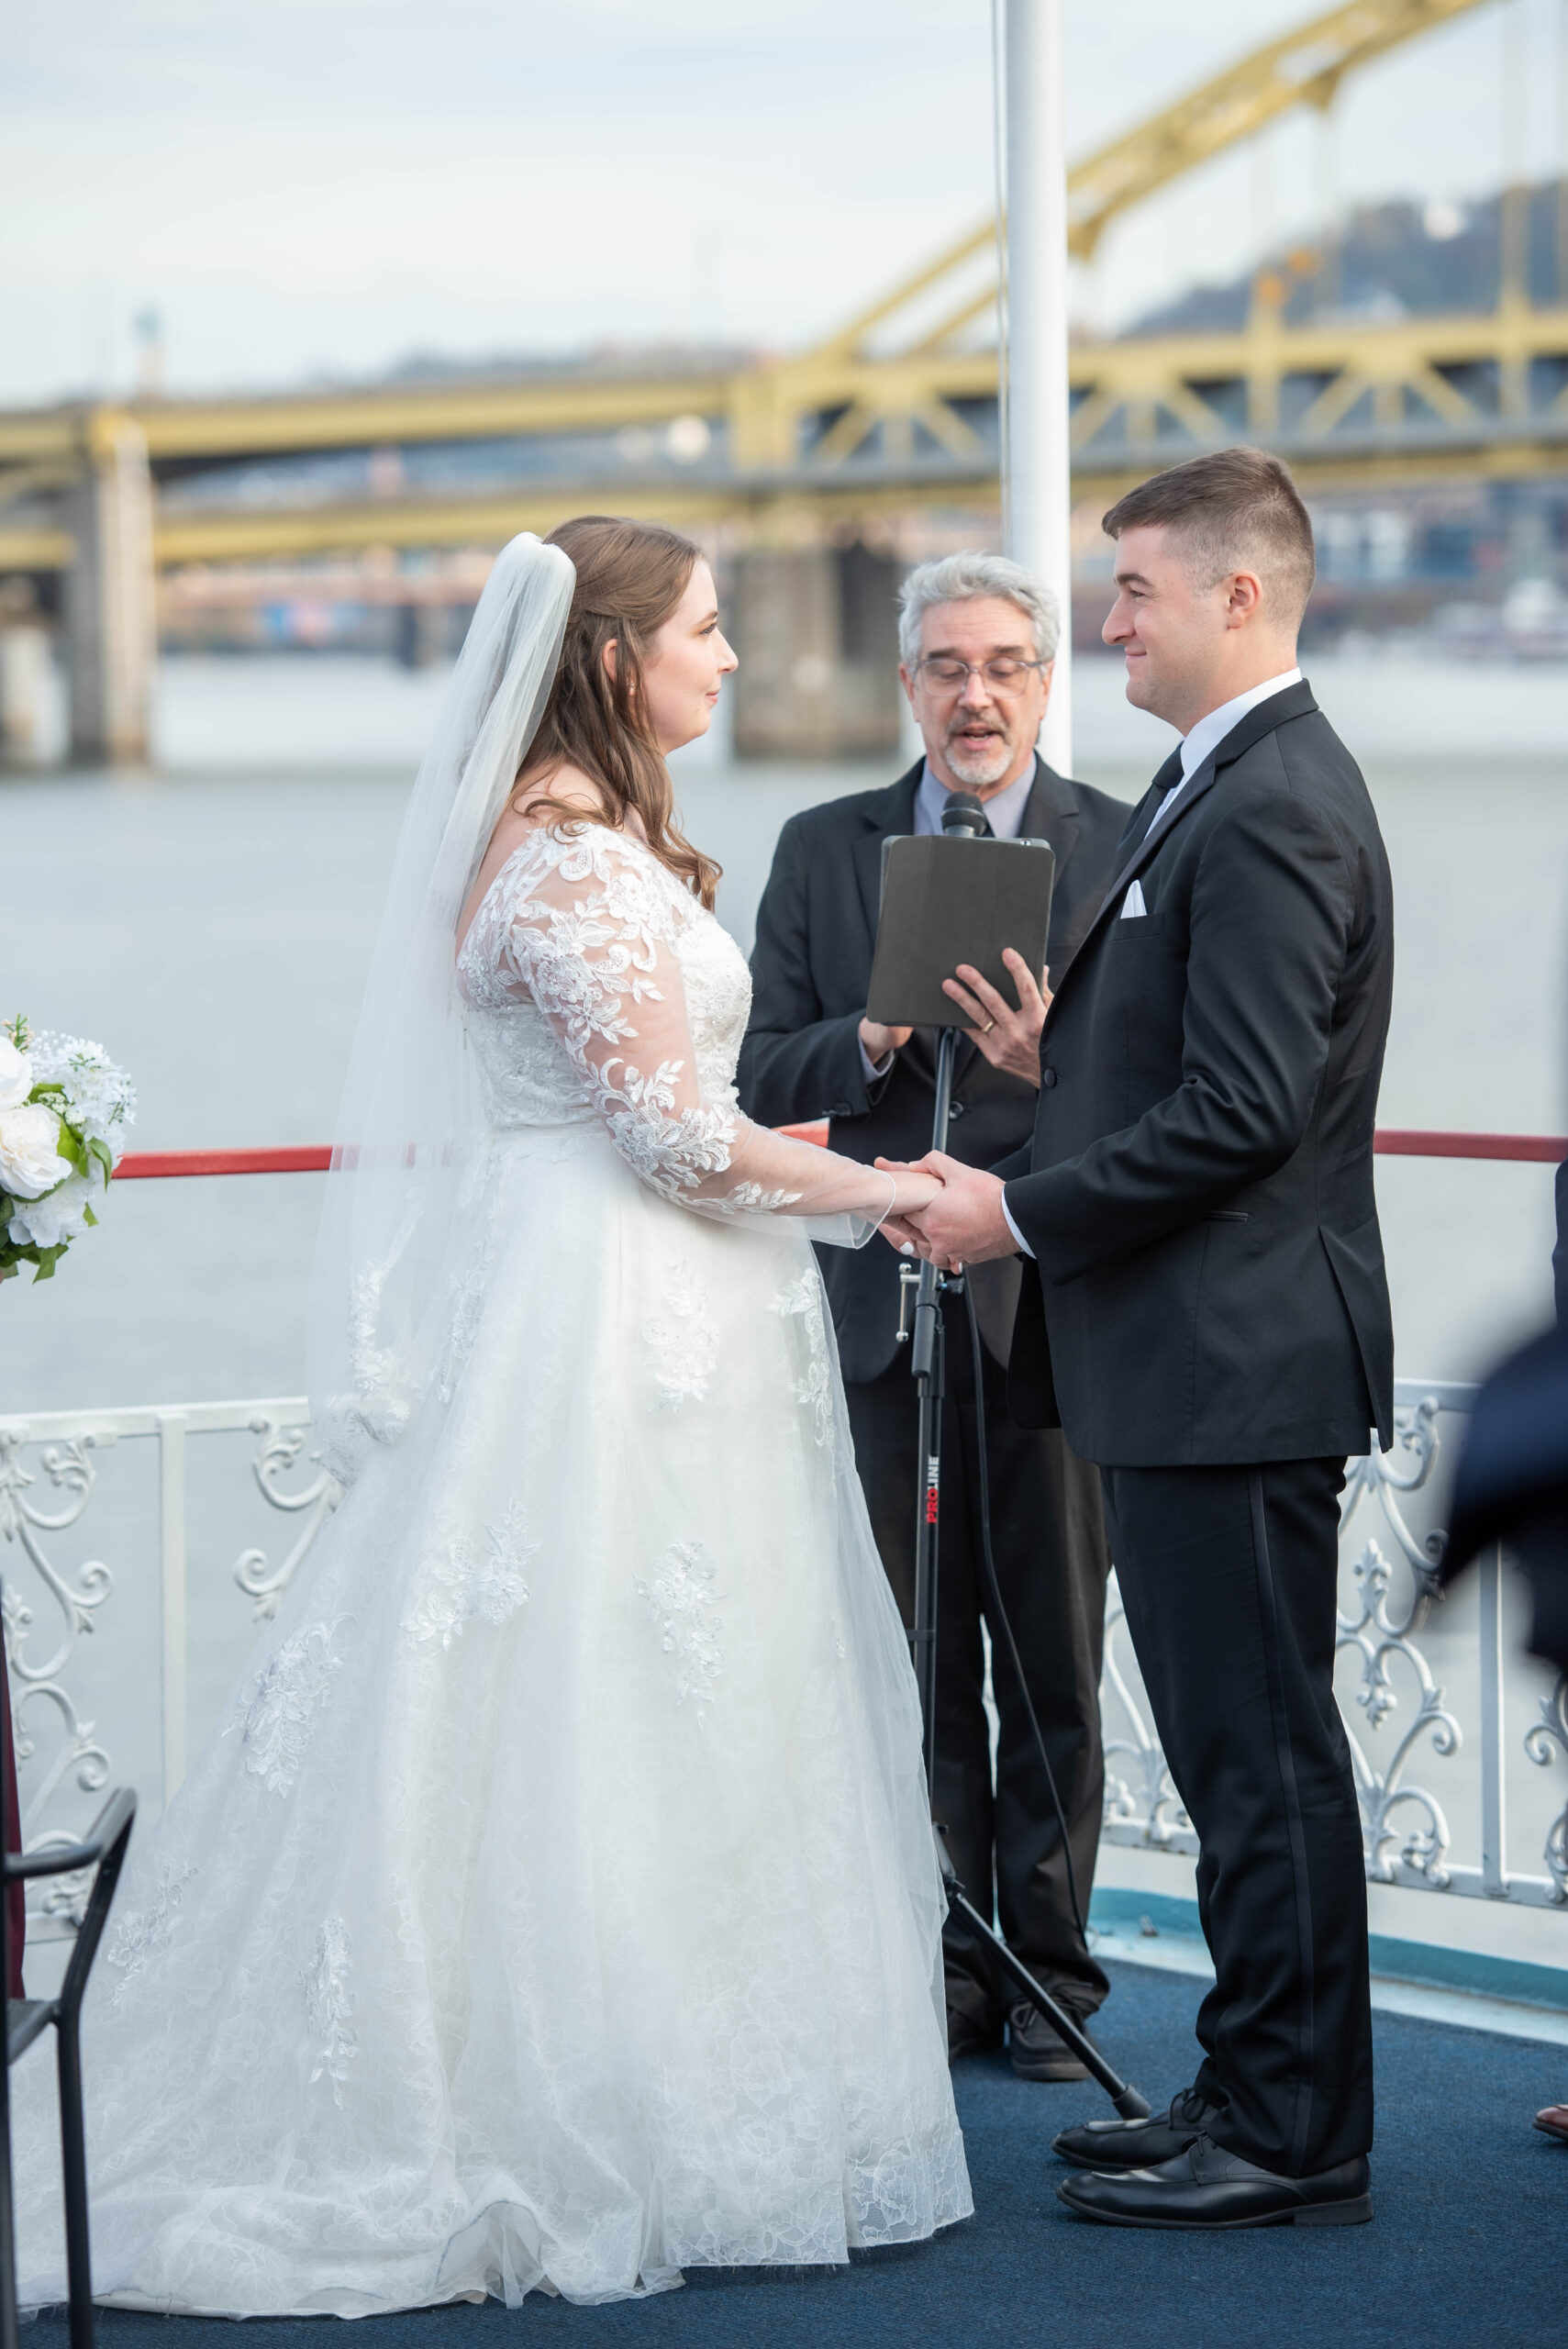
x=610, y=657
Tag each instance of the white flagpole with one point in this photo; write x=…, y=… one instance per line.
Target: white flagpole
x=1038, y=521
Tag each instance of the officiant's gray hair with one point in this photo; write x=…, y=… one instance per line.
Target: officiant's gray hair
x=962, y=579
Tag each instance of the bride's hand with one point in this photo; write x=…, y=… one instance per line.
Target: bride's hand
x=912, y=1190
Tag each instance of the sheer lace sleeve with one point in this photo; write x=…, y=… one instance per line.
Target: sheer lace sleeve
x=593, y=926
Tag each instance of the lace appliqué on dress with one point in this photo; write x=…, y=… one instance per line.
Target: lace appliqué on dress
x=467, y=1588
x=282, y=1702
x=682, y=1341
x=328, y=2003
x=142, y=1933
x=588, y=965
x=804, y=1297
x=680, y=1600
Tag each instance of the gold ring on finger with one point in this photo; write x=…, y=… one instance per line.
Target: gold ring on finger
x=989, y=1025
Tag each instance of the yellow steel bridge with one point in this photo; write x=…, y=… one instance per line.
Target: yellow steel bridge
x=897, y=407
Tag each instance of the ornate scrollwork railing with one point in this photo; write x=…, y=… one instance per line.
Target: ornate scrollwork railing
x=278, y=1450
x=1398, y=1710
x=48, y=1609
x=1423, y=1758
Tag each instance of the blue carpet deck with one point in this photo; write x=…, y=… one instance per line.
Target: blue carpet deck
x=1464, y=2250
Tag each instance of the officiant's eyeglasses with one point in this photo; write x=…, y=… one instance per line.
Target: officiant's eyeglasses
x=1003, y=676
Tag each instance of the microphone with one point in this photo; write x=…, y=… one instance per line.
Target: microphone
x=964, y=815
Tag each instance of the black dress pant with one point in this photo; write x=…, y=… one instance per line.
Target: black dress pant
x=1229, y=1579
x=1048, y=1537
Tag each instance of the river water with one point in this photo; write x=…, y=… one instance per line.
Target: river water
x=211, y=921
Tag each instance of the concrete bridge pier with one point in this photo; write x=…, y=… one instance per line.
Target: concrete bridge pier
x=420, y=635
x=24, y=672
x=24, y=668
x=816, y=630
x=110, y=622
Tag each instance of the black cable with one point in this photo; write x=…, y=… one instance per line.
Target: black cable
x=995, y=1592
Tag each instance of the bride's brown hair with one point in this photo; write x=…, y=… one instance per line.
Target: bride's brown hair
x=630, y=578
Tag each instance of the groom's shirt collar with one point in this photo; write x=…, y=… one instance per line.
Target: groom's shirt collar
x=1210, y=731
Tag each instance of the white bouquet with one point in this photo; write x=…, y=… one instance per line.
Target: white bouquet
x=64, y=1111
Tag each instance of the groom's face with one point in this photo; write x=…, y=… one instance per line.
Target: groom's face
x=979, y=736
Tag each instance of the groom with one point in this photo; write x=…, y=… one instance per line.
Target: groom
x=1210, y=1321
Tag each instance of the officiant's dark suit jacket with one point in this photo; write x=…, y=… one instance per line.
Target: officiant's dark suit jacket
x=1198, y=1195
x=810, y=972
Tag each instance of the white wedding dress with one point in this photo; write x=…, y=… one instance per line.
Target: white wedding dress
x=554, y=1905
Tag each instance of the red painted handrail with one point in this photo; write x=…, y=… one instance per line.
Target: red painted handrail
x=144, y=1166
x=1390, y=1141
x=1400, y=1141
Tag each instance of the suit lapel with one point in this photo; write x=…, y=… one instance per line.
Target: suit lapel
x=1277, y=710
x=1049, y=816
x=867, y=850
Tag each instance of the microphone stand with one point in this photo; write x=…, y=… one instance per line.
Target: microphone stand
x=928, y=1348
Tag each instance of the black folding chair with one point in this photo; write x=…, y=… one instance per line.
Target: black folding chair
x=104, y=1849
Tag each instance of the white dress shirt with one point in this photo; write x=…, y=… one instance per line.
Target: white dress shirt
x=1205, y=737
x=1210, y=731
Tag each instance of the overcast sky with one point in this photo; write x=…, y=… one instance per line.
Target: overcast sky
x=307, y=186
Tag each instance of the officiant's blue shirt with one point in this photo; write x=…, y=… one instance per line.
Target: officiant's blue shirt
x=1004, y=814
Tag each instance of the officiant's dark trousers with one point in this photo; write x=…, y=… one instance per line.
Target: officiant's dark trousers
x=1229, y=1578
x=1048, y=1537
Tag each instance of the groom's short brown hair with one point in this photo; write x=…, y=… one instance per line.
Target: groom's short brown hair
x=1235, y=510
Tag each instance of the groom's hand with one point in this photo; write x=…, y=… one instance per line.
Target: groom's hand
x=964, y=1223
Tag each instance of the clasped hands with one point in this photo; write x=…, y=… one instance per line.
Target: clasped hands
x=953, y=1216
x=947, y=1212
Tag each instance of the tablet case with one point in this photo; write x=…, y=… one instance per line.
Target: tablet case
x=946, y=900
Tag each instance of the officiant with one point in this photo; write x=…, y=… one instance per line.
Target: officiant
x=977, y=638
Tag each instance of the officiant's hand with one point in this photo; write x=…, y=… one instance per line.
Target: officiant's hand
x=1009, y=1038
x=879, y=1040
x=963, y=1224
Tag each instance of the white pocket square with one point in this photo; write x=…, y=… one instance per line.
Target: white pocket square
x=1132, y=903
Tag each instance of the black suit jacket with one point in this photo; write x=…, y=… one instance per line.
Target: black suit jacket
x=1199, y=1190
x=811, y=970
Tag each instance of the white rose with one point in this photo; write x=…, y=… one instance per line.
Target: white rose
x=15, y=1074
x=61, y=1216
x=31, y=1162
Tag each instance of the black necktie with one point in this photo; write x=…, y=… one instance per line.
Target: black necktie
x=1133, y=830
x=1169, y=773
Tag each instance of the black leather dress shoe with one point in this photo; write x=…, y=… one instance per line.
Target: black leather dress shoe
x=1035, y=2050
x=1115, y=2146
x=967, y=2038
x=1207, y=2187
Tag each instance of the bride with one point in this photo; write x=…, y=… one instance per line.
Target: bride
x=554, y=1904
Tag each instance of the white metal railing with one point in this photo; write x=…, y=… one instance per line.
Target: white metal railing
x=1418, y=1674
x=51, y=1607
x=114, y=1667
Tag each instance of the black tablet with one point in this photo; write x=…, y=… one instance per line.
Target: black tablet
x=947, y=900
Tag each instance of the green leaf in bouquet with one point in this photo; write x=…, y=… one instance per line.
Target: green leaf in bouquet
x=50, y=1089
x=101, y=1153
x=17, y=1030
x=88, y=1217
x=44, y=1260
x=71, y=1147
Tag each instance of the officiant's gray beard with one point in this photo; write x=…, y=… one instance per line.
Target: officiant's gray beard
x=976, y=766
